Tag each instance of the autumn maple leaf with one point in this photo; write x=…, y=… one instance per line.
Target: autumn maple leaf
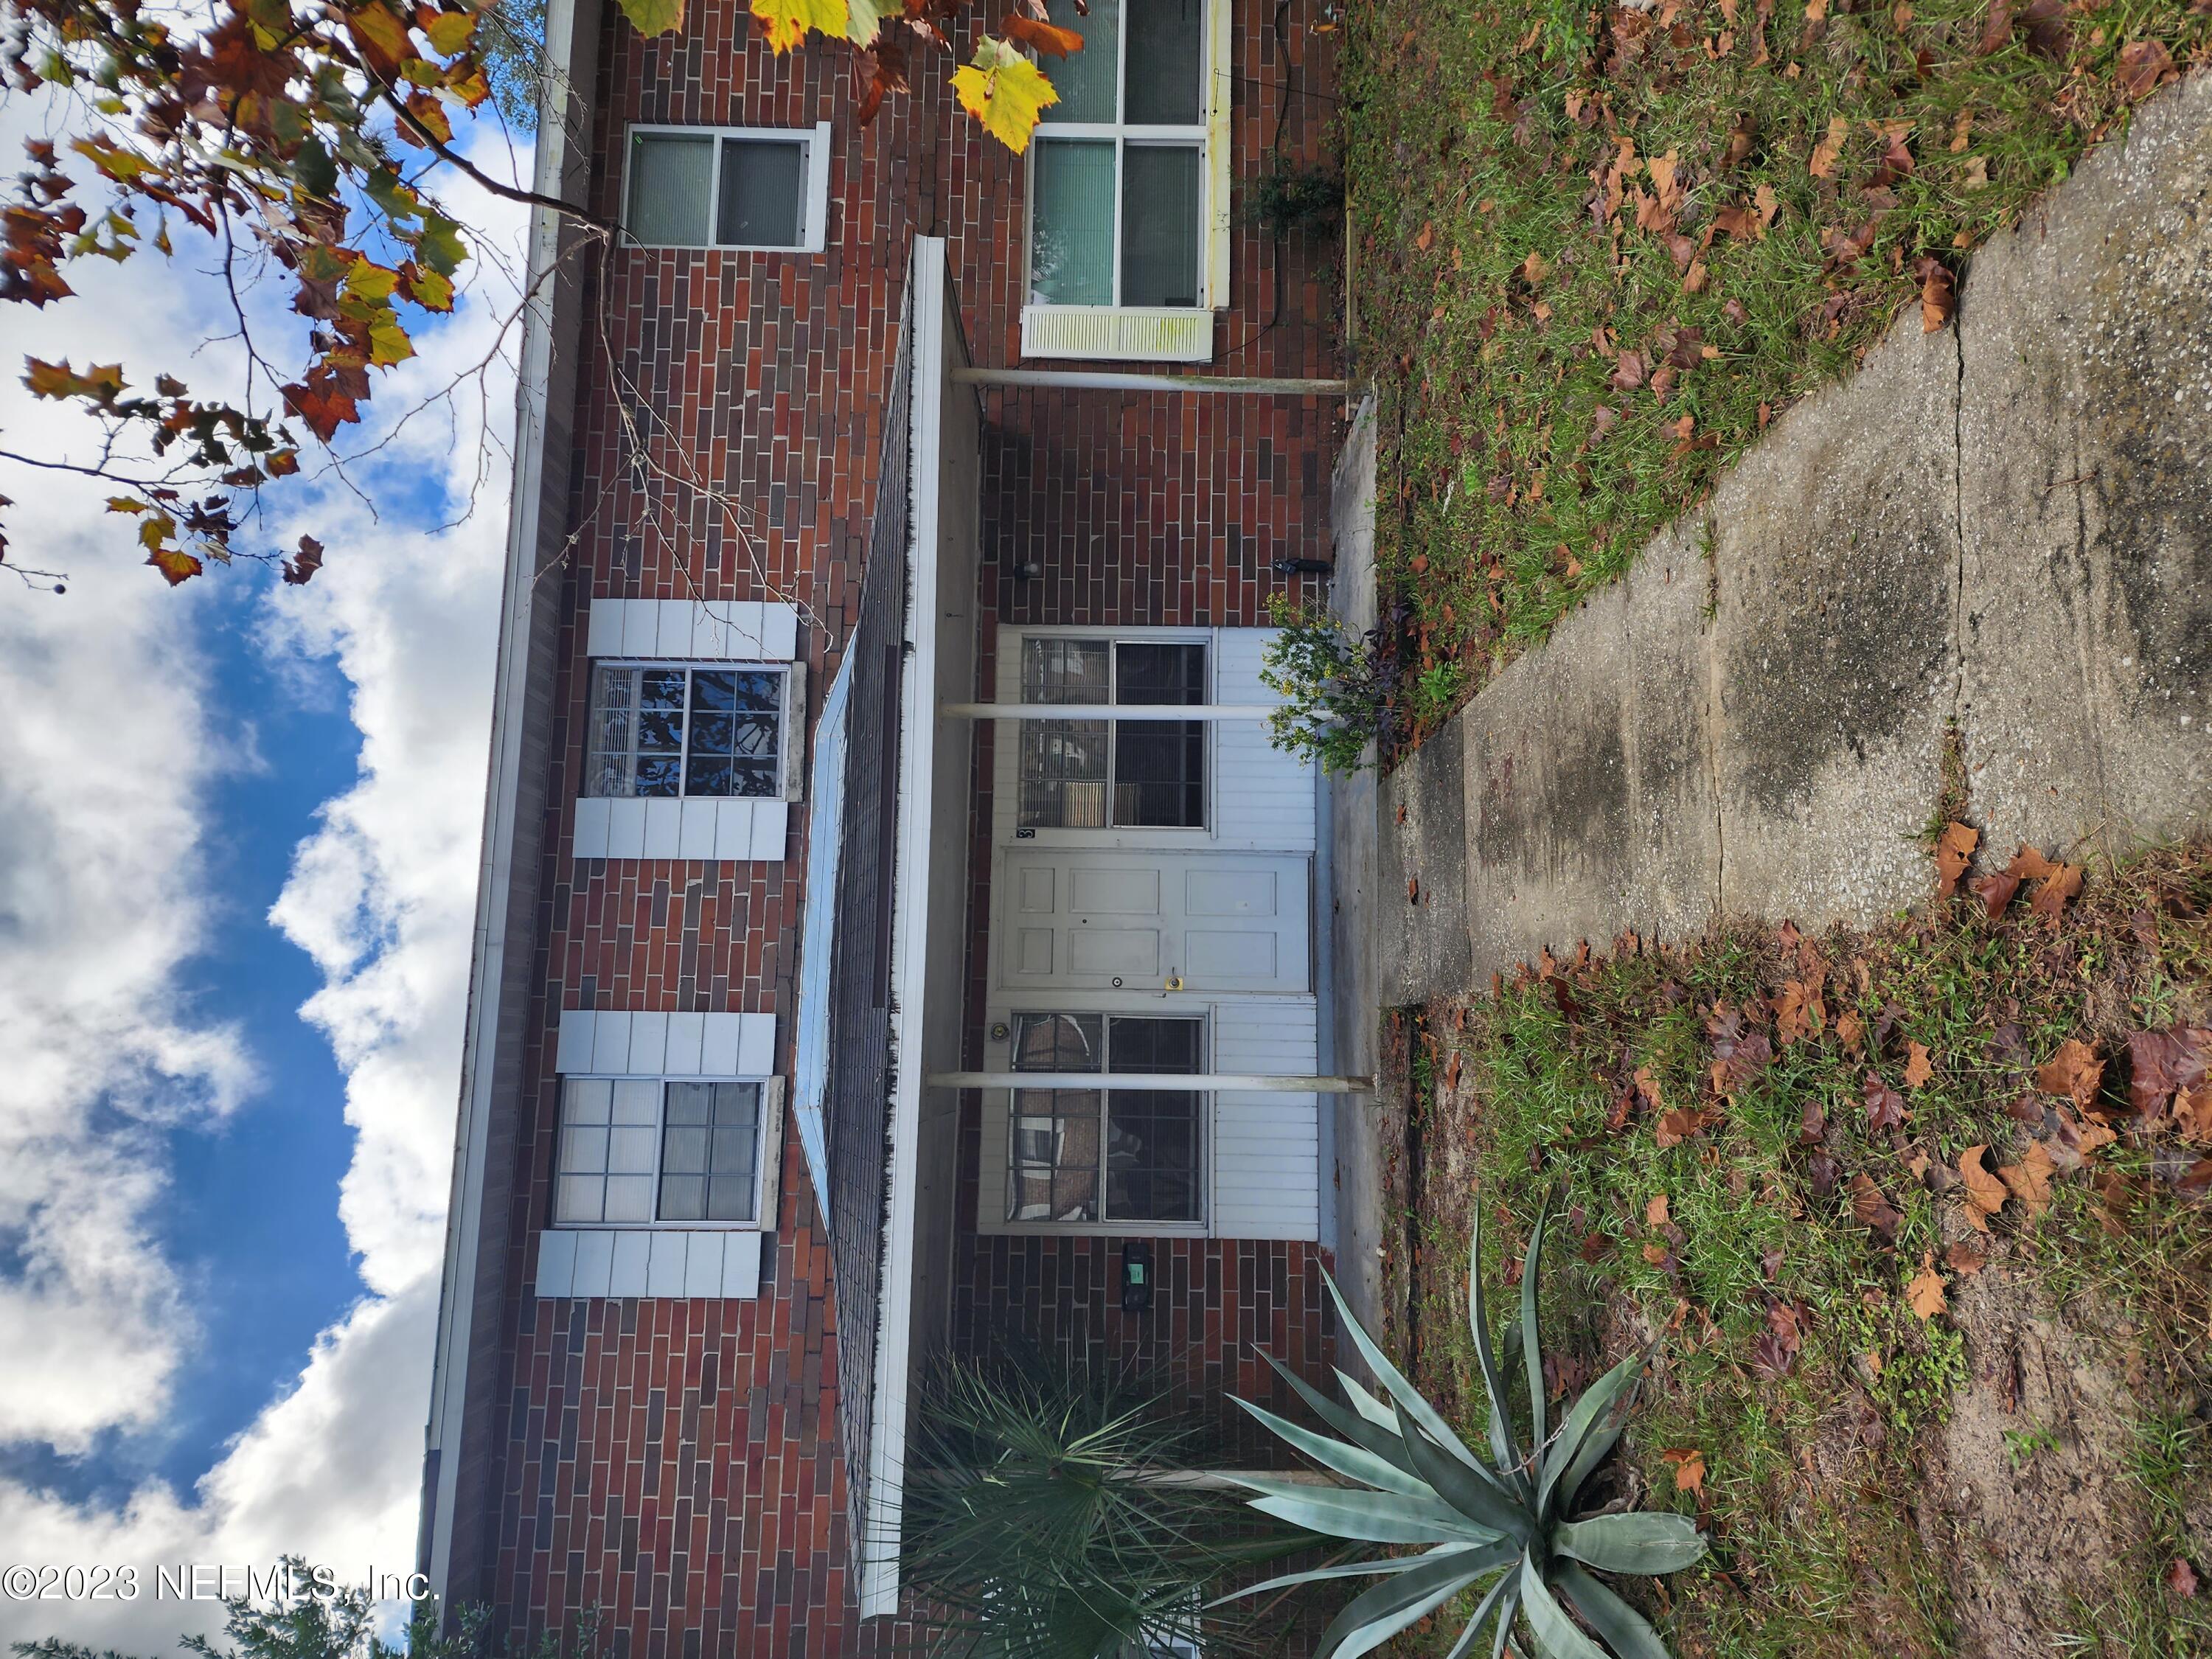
x=1004, y=91
x=787, y=21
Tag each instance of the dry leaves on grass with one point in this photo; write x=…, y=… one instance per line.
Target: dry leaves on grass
x=1740, y=1052
x=1689, y=1464
x=1830, y=150
x=2029, y=1180
x=1678, y=1126
x=1775, y=1353
x=2074, y=1072
x=1872, y=1208
x=1918, y=1067
x=1939, y=294
x=1885, y=1106
x=1953, y=849
x=1985, y=1194
x=1799, y=1012
x=2164, y=1064
x=1925, y=1292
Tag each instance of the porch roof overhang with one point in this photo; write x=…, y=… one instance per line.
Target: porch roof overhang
x=884, y=943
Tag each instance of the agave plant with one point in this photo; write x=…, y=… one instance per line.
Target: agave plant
x=1514, y=1519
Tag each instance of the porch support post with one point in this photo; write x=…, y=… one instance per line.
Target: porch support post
x=1106, y=380
x=1107, y=711
x=1204, y=1082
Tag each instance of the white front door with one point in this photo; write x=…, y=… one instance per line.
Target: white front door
x=1084, y=919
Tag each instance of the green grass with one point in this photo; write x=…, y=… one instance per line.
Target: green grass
x=1515, y=477
x=1811, y=1474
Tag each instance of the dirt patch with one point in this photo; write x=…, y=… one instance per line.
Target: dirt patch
x=2028, y=1493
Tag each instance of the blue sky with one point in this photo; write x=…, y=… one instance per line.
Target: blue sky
x=237, y=847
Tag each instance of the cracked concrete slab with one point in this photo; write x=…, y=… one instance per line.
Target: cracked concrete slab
x=2087, y=498
x=2002, y=529
x=1836, y=563
x=1588, y=790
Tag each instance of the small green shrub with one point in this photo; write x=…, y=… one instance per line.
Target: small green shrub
x=1336, y=690
x=1290, y=197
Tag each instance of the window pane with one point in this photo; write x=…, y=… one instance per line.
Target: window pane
x=1063, y=774
x=1152, y=1155
x=670, y=180
x=636, y=1100
x=1167, y=63
x=1147, y=673
x=579, y=1198
x=1084, y=79
x=762, y=182
x=1066, y=671
x=690, y=1103
x=1160, y=228
x=683, y=1151
x=630, y=1198
x=1159, y=775
x=1153, y=1045
x=609, y=767
x=1057, y=1042
x=583, y=1150
x=629, y=1152
x=586, y=1099
x=1071, y=223
x=1053, y=1169
x=683, y=1197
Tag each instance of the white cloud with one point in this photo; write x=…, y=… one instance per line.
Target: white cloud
x=111, y=752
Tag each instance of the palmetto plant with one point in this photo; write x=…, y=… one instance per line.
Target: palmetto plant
x=1051, y=1515
x=1513, y=1519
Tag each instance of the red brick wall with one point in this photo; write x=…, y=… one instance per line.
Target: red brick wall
x=673, y=1462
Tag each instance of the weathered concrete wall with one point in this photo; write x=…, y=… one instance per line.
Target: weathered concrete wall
x=2003, y=528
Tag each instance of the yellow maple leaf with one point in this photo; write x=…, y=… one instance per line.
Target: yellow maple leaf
x=1004, y=91
x=788, y=20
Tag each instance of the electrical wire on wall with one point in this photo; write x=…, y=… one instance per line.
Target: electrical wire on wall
x=1283, y=90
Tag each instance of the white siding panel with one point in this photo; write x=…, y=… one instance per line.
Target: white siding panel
x=741, y=1264
x=595, y=1256
x=756, y=1045
x=771, y=823
x=734, y=830
x=702, y=1264
x=717, y=1055
x=602, y=633
x=779, y=627
x=573, y=1052
x=1267, y=1147
x=641, y=634
x=694, y=839
x=649, y=1045
x=610, y=1042
x=557, y=1262
x=588, y=835
x=633, y=1254
x=687, y=1034
x=664, y=1267
x=664, y=828
x=1264, y=797
x=625, y=828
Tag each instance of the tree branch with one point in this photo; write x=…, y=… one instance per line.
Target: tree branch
x=508, y=192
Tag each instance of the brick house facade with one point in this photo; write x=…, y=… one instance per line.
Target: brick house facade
x=641, y=1402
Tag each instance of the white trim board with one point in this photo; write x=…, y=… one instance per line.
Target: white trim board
x=692, y=630
x=661, y=1262
x=697, y=827
x=610, y=1042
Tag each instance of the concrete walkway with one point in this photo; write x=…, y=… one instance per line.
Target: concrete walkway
x=2001, y=530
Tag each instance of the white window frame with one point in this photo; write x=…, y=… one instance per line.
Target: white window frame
x=791, y=715
x=1078, y=1003
x=1110, y=833
x=1212, y=132
x=814, y=192
x=768, y=1155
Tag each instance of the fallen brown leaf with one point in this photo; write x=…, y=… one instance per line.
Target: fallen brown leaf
x=2142, y=64
x=2181, y=1578
x=1885, y=1106
x=2075, y=1071
x=1851, y=1029
x=1965, y=1259
x=1830, y=149
x=1939, y=292
x=1655, y=1212
x=1953, y=848
x=2029, y=1180
x=1925, y=1292
x=1799, y=1012
x=1918, y=1069
x=1985, y=1194
x=2162, y=1063
x=2054, y=889
x=1996, y=891
x=1689, y=1469
x=1678, y=1126
x=1871, y=1207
